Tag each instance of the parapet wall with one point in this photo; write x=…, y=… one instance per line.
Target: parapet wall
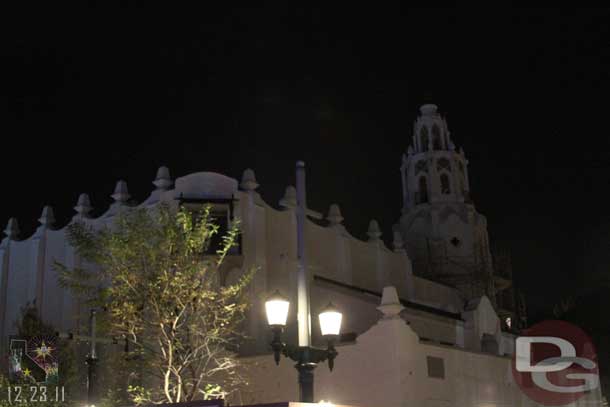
x=268, y=242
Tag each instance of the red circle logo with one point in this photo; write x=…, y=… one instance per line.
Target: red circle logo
x=555, y=363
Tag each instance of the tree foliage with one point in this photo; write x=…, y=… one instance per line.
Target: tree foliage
x=164, y=295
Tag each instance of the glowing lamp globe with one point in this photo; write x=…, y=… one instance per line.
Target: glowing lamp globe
x=276, y=308
x=330, y=320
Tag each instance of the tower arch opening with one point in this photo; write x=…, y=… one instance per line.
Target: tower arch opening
x=436, y=138
x=423, y=137
x=445, y=184
x=422, y=192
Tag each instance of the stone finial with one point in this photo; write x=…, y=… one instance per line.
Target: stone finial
x=398, y=243
x=47, y=218
x=120, y=192
x=289, y=200
x=334, y=216
x=12, y=229
x=163, y=181
x=248, y=180
x=410, y=150
x=451, y=146
x=390, y=305
x=374, y=233
x=462, y=152
x=83, y=205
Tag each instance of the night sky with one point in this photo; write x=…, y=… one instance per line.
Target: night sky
x=92, y=95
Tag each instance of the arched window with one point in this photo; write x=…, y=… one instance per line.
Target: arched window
x=443, y=164
x=421, y=166
x=445, y=187
x=436, y=138
x=423, y=190
x=423, y=137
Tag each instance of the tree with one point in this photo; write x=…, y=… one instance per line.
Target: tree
x=164, y=295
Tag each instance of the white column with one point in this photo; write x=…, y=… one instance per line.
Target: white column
x=303, y=313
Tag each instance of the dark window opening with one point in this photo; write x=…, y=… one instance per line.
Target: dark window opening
x=221, y=214
x=221, y=219
x=445, y=186
x=424, y=138
x=489, y=344
x=422, y=194
x=436, y=367
x=421, y=166
x=436, y=138
x=443, y=164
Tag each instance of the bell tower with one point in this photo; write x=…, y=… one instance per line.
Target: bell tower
x=444, y=235
x=432, y=170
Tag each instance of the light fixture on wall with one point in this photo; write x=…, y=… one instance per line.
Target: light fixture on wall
x=307, y=357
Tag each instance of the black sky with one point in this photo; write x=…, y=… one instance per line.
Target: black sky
x=91, y=95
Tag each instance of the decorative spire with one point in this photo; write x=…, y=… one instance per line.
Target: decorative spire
x=163, y=181
x=290, y=197
x=428, y=109
x=398, y=243
x=374, y=232
x=47, y=219
x=12, y=229
x=83, y=206
x=410, y=150
x=451, y=146
x=121, y=194
x=334, y=215
x=248, y=180
x=390, y=305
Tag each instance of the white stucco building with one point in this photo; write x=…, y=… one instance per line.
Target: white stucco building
x=440, y=247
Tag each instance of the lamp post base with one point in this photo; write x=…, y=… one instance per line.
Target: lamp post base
x=305, y=381
x=91, y=381
x=307, y=359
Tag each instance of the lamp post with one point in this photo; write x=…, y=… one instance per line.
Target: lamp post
x=92, y=358
x=276, y=307
x=92, y=362
x=306, y=357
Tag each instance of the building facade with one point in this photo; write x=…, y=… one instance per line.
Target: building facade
x=392, y=365
x=439, y=265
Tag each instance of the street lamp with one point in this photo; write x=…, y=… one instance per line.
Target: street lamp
x=307, y=357
x=277, y=309
x=330, y=321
